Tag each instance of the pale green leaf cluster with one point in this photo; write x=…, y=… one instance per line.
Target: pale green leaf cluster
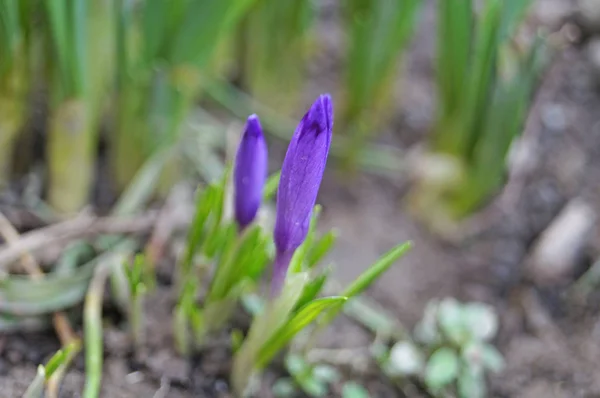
x=451, y=352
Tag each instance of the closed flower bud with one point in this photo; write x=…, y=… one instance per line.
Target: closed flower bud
x=301, y=175
x=250, y=172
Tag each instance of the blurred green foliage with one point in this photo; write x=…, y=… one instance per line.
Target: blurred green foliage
x=134, y=71
x=486, y=77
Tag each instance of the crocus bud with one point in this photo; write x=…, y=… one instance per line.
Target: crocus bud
x=250, y=172
x=301, y=175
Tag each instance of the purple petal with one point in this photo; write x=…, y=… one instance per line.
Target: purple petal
x=301, y=175
x=250, y=172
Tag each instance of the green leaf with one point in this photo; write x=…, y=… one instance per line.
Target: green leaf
x=471, y=385
x=202, y=27
x=296, y=365
x=297, y=262
x=513, y=13
x=326, y=373
x=277, y=312
x=312, y=289
x=426, y=330
x=196, y=234
x=492, y=358
x=245, y=261
x=442, y=368
x=482, y=72
x=284, y=388
x=36, y=388
x=212, y=243
x=237, y=338
x=378, y=31
x=313, y=387
x=320, y=249
x=450, y=318
x=299, y=321
x=53, y=363
x=375, y=271
x=253, y=304
x=354, y=390
x=140, y=190
x=481, y=321
x=264, y=326
x=228, y=268
x=271, y=186
x=154, y=25
x=406, y=359
x=455, y=32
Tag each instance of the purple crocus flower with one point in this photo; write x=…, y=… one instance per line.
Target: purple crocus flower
x=301, y=175
x=250, y=172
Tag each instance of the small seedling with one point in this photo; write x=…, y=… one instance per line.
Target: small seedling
x=451, y=352
x=139, y=281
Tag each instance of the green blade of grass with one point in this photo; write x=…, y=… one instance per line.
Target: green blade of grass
x=203, y=25
x=376, y=270
x=379, y=31
x=455, y=32
x=305, y=316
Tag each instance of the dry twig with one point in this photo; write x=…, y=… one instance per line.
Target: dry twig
x=77, y=228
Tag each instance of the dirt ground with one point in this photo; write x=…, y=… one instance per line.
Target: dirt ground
x=551, y=343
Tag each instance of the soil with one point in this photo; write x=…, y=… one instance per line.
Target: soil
x=551, y=343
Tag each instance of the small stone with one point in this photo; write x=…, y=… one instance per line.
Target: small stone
x=554, y=117
x=555, y=254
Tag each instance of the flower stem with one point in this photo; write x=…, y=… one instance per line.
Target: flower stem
x=280, y=268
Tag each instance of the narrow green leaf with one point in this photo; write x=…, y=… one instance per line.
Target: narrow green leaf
x=201, y=29
x=299, y=321
x=312, y=289
x=197, y=233
x=455, y=31
x=53, y=363
x=58, y=24
x=231, y=267
x=375, y=271
x=297, y=263
x=271, y=186
x=79, y=40
x=320, y=249
x=216, y=215
x=154, y=25
x=143, y=185
x=368, y=277
x=36, y=388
